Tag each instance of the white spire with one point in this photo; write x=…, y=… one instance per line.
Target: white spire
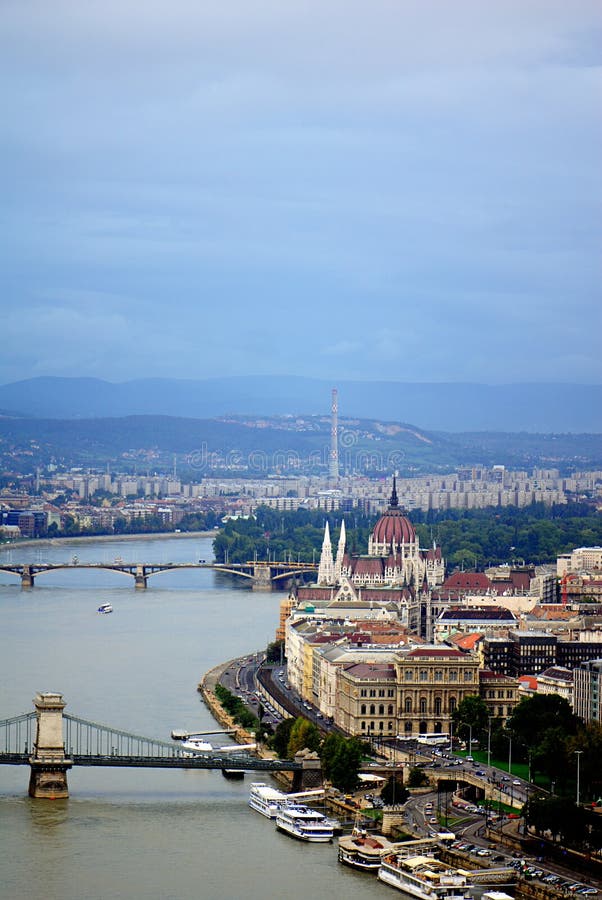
x=338, y=566
x=326, y=567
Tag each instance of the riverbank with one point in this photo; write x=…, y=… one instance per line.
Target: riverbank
x=93, y=538
x=206, y=688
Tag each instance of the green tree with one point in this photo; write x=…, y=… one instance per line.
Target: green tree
x=394, y=791
x=282, y=735
x=416, y=777
x=345, y=764
x=304, y=736
x=471, y=717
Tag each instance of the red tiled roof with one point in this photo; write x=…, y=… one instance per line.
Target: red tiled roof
x=435, y=651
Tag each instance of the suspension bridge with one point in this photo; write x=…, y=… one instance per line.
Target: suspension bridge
x=51, y=742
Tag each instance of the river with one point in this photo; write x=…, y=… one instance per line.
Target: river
x=129, y=833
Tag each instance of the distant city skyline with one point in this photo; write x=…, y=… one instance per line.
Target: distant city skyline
x=405, y=191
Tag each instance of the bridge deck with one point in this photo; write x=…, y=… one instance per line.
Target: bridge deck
x=242, y=763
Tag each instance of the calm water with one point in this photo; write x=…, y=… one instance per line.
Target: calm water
x=141, y=833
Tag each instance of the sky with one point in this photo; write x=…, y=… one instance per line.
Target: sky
x=401, y=189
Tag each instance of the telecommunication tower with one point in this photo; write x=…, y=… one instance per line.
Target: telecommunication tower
x=333, y=465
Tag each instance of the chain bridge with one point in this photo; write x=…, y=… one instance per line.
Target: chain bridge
x=51, y=741
x=263, y=575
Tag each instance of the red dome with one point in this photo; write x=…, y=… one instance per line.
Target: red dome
x=393, y=526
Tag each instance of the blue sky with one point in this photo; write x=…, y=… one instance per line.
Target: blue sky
x=399, y=190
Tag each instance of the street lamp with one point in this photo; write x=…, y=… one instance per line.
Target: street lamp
x=578, y=755
x=470, y=740
x=489, y=743
x=510, y=755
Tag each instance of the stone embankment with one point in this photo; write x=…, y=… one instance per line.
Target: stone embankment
x=206, y=689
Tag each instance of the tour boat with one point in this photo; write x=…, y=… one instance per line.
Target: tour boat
x=304, y=824
x=197, y=746
x=105, y=608
x=423, y=877
x=267, y=800
x=362, y=851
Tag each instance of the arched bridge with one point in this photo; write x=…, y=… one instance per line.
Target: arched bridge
x=263, y=575
x=51, y=742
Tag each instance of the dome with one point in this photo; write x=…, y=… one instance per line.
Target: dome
x=393, y=525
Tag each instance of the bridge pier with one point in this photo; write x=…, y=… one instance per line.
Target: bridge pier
x=310, y=776
x=27, y=579
x=262, y=577
x=49, y=765
x=140, y=578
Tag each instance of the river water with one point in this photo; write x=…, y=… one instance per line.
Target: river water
x=129, y=833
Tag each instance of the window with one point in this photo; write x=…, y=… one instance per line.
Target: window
x=438, y=675
x=424, y=675
x=390, y=709
x=408, y=705
x=452, y=704
x=381, y=726
x=409, y=675
x=363, y=709
x=381, y=709
x=423, y=704
x=437, y=706
x=453, y=676
x=381, y=692
x=372, y=709
x=408, y=727
x=391, y=692
x=372, y=692
x=467, y=675
x=363, y=692
x=390, y=726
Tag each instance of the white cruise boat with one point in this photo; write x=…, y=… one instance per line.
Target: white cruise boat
x=265, y=799
x=423, y=877
x=105, y=608
x=304, y=824
x=197, y=745
x=268, y=800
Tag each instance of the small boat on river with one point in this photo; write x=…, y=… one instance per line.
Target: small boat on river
x=105, y=608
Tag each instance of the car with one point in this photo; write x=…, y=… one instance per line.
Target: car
x=469, y=758
x=433, y=820
x=499, y=858
x=517, y=782
x=504, y=778
x=588, y=890
x=480, y=772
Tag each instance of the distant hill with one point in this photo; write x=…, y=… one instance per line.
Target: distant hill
x=535, y=408
x=262, y=446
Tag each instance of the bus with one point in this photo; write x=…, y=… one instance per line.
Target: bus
x=433, y=738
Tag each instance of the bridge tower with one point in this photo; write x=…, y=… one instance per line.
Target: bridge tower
x=48, y=763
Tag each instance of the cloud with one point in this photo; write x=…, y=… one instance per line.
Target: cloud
x=398, y=185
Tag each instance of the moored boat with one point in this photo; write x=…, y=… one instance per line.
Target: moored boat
x=265, y=799
x=423, y=877
x=304, y=823
x=197, y=745
x=362, y=851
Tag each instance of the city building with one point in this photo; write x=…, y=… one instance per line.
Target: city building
x=587, y=691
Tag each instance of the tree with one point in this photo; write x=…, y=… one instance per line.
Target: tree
x=416, y=777
x=394, y=791
x=304, y=736
x=471, y=717
x=279, y=743
x=341, y=760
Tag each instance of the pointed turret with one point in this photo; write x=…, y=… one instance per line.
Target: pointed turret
x=326, y=567
x=338, y=566
x=394, y=501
